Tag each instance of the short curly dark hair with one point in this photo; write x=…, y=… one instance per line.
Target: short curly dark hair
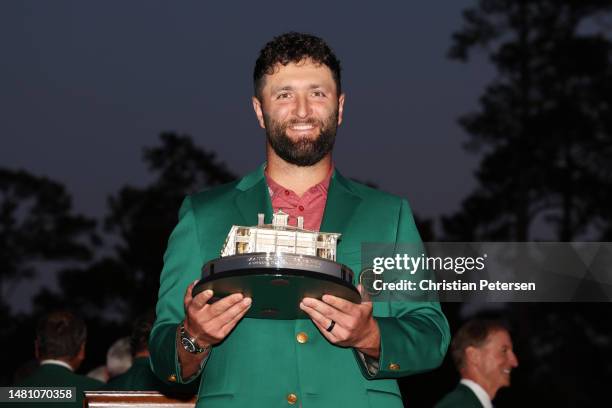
x=294, y=47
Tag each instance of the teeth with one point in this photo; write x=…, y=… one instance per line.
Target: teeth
x=507, y=371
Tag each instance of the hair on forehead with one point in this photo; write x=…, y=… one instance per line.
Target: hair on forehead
x=297, y=48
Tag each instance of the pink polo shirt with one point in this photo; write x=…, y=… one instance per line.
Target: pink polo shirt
x=310, y=205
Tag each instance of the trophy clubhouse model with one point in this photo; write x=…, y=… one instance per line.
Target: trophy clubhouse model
x=277, y=265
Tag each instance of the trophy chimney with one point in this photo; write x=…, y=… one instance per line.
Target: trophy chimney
x=280, y=219
x=300, y=222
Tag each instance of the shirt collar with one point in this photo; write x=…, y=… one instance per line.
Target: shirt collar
x=57, y=362
x=480, y=393
x=274, y=188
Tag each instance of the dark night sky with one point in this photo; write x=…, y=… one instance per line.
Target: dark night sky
x=85, y=85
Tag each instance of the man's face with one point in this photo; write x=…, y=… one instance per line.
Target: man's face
x=496, y=359
x=300, y=111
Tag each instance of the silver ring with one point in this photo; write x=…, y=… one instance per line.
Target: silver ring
x=331, y=326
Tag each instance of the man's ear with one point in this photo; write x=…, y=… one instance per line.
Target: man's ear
x=77, y=360
x=258, y=112
x=82, y=351
x=340, y=108
x=472, y=355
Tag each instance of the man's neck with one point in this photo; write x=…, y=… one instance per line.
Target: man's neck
x=296, y=178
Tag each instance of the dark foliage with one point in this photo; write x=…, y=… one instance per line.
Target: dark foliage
x=124, y=284
x=545, y=135
x=544, y=125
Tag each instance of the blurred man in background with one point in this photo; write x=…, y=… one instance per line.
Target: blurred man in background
x=60, y=349
x=118, y=361
x=482, y=352
x=119, y=357
x=140, y=377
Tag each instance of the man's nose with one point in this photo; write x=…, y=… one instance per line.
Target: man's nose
x=302, y=107
x=513, y=360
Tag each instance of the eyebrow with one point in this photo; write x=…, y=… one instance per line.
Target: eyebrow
x=290, y=88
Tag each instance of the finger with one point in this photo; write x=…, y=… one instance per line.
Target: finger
x=319, y=323
x=201, y=299
x=229, y=326
x=222, y=305
x=323, y=323
x=339, y=303
x=324, y=309
x=328, y=335
x=188, y=294
x=365, y=295
x=229, y=314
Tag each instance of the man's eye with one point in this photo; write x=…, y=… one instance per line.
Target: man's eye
x=318, y=93
x=283, y=95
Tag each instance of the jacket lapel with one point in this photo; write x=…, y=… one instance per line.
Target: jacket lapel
x=340, y=206
x=254, y=197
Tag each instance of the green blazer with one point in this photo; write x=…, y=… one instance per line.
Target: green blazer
x=461, y=397
x=260, y=363
x=140, y=378
x=54, y=375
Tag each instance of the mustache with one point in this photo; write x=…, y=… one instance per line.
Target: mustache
x=311, y=121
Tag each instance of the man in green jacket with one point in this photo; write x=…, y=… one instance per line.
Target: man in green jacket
x=60, y=349
x=343, y=353
x=482, y=352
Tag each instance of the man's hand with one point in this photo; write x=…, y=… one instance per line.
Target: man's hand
x=354, y=325
x=211, y=323
x=208, y=323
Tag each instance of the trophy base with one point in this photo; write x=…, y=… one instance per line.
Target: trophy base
x=277, y=283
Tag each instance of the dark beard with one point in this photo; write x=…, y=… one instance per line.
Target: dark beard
x=304, y=151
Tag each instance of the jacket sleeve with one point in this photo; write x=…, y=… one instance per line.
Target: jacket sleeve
x=414, y=335
x=182, y=264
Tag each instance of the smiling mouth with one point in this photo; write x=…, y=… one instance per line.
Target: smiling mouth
x=302, y=127
x=507, y=371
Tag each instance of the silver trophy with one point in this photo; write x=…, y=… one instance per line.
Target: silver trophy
x=277, y=265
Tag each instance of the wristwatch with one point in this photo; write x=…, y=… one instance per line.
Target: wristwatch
x=189, y=343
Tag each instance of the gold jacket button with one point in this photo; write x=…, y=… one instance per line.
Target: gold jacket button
x=302, y=337
x=394, y=366
x=292, y=398
x=172, y=378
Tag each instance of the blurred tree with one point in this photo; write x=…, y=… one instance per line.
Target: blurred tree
x=125, y=284
x=544, y=123
x=37, y=224
x=544, y=129
x=144, y=218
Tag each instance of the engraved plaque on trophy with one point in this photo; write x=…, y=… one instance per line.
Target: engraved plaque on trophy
x=277, y=265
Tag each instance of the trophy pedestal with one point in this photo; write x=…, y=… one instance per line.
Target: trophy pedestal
x=277, y=282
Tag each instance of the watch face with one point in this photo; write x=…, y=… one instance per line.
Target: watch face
x=189, y=346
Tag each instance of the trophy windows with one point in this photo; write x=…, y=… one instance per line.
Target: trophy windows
x=242, y=239
x=279, y=237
